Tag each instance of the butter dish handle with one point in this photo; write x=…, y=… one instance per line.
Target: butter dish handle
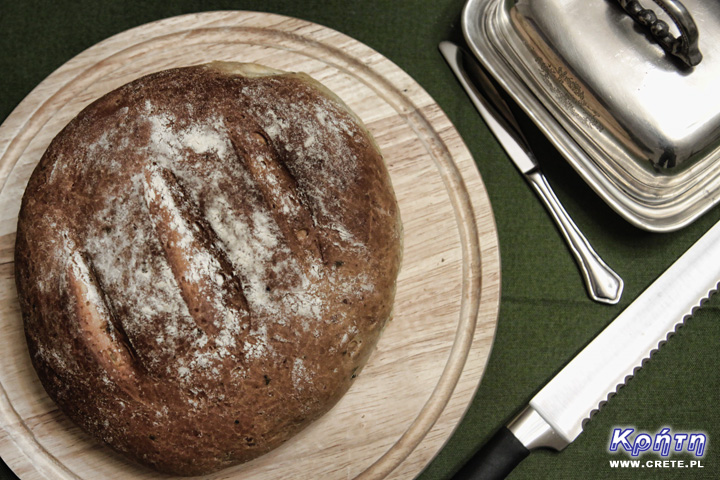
x=685, y=46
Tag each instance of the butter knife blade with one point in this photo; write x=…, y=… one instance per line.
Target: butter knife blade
x=602, y=283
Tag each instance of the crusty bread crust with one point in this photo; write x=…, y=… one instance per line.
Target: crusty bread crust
x=205, y=258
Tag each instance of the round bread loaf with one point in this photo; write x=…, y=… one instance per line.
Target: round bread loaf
x=205, y=258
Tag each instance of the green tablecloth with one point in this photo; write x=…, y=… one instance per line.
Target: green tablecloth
x=545, y=315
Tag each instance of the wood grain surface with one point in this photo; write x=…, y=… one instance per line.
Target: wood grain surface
x=430, y=359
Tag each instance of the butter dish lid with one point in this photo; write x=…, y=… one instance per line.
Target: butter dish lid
x=628, y=94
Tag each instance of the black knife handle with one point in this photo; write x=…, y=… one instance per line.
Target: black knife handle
x=496, y=459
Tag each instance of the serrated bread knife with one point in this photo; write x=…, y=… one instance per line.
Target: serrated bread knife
x=602, y=283
x=555, y=416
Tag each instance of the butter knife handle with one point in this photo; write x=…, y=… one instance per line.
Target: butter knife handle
x=603, y=284
x=496, y=459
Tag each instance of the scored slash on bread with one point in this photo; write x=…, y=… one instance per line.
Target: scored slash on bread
x=100, y=329
x=280, y=191
x=201, y=269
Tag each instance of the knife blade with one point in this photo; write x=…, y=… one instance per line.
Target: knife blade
x=555, y=416
x=602, y=283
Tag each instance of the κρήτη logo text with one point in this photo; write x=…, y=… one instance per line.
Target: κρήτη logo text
x=663, y=443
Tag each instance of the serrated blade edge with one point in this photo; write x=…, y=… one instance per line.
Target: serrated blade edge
x=620, y=349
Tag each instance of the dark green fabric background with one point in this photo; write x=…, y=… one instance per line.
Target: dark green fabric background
x=545, y=315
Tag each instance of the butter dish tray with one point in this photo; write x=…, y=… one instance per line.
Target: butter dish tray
x=627, y=94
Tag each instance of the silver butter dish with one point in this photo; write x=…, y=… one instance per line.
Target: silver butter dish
x=629, y=95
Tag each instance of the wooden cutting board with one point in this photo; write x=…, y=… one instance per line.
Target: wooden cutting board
x=419, y=381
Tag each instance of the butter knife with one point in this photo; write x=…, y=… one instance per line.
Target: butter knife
x=602, y=283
